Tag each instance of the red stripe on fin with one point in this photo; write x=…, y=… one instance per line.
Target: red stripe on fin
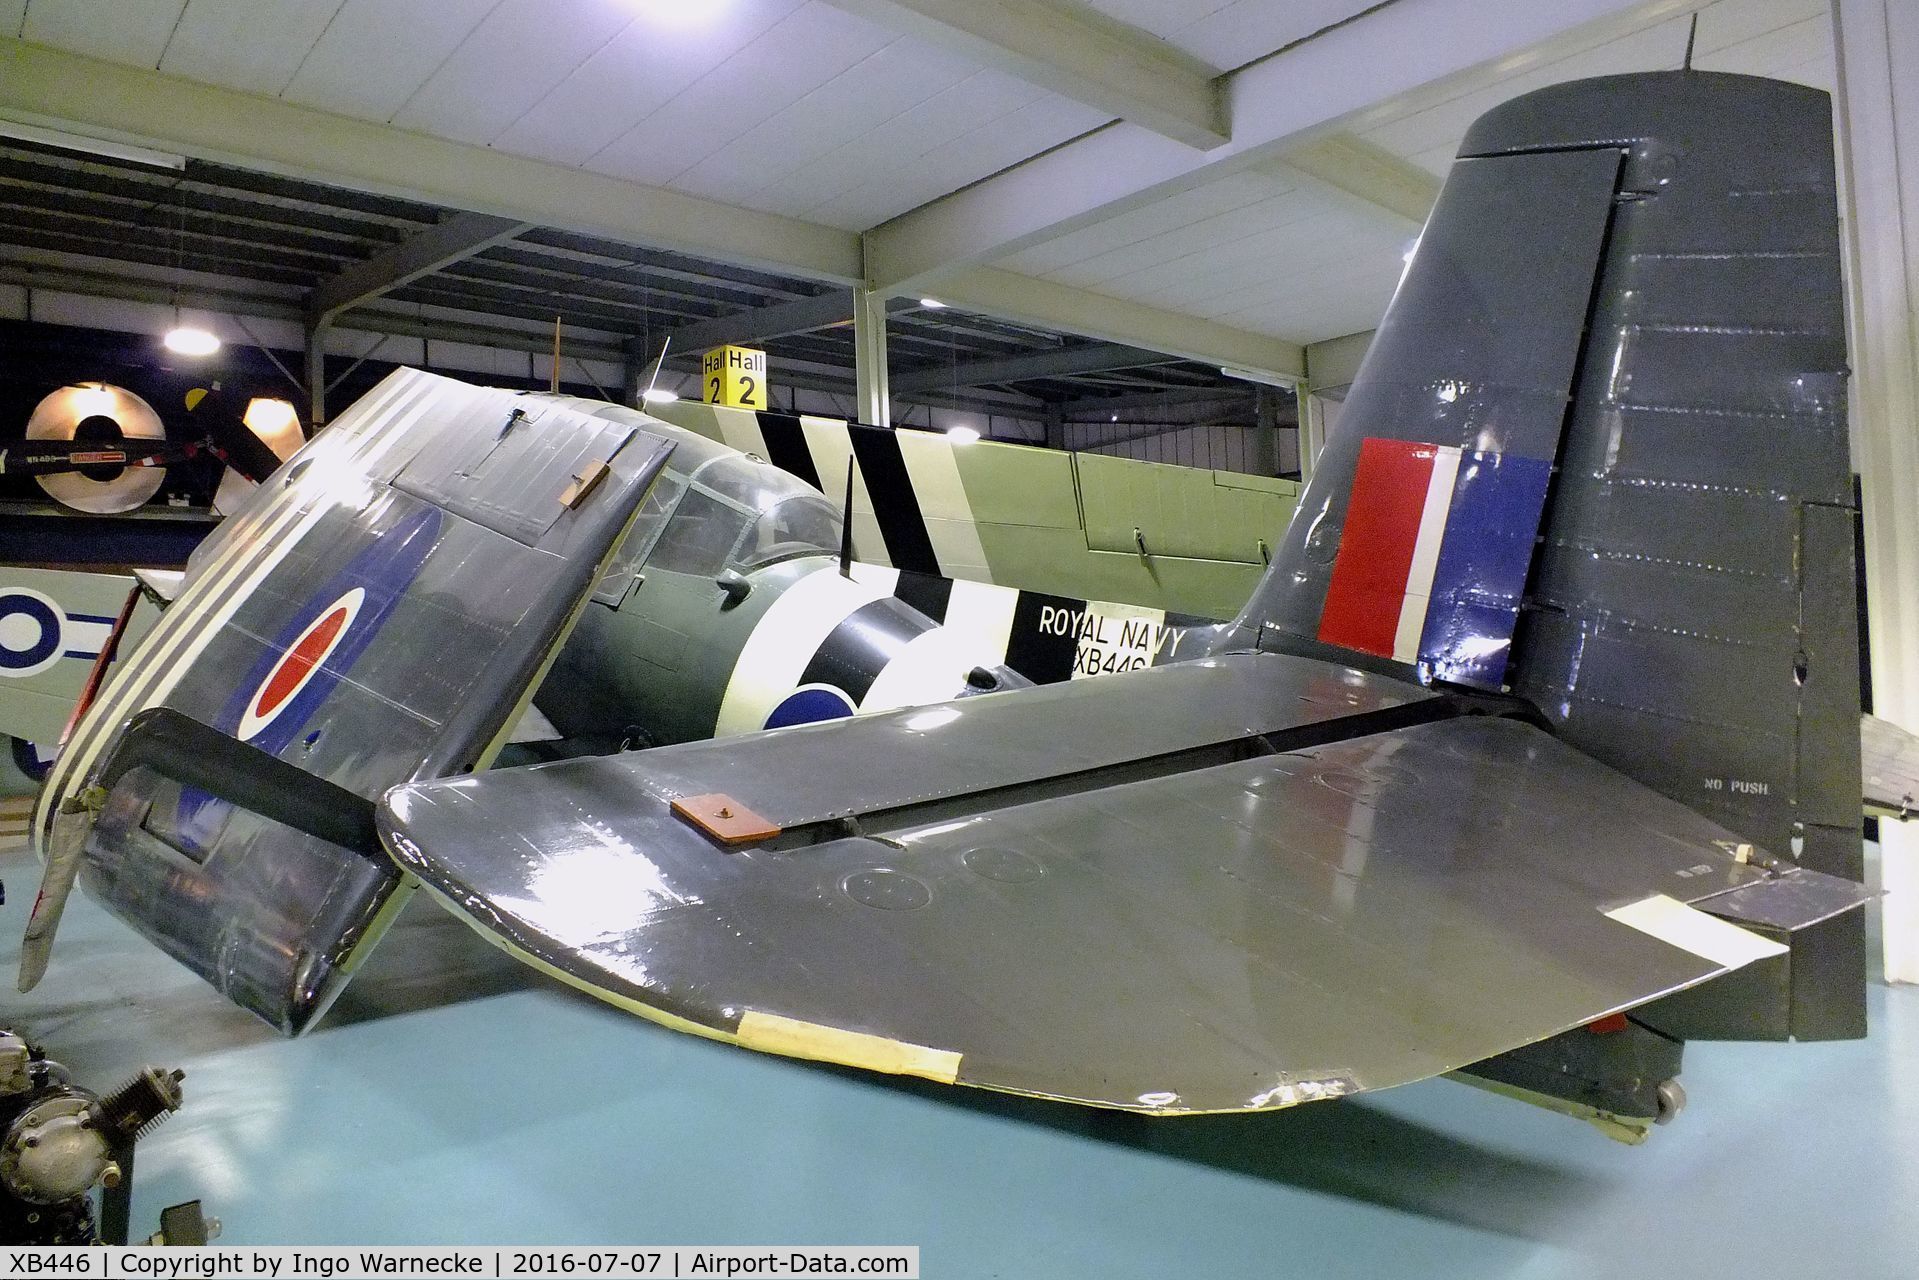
x=1376, y=546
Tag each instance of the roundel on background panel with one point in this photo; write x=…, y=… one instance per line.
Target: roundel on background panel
x=30, y=629
x=302, y=660
x=809, y=704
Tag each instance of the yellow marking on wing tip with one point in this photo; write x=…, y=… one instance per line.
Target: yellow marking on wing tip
x=764, y=1032
x=847, y=1048
x=772, y=1033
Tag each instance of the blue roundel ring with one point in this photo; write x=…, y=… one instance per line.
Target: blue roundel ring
x=810, y=704
x=27, y=759
x=30, y=630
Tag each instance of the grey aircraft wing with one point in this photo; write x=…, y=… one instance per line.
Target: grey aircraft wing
x=380, y=612
x=1890, y=759
x=1228, y=885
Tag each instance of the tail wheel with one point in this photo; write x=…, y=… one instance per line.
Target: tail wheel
x=1672, y=1100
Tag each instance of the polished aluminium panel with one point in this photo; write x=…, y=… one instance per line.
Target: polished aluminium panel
x=1241, y=936
x=432, y=542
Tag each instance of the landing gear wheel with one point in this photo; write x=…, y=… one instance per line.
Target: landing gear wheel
x=1672, y=1100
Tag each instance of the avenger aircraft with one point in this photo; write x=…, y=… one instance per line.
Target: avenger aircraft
x=737, y=570
x=1533, y=754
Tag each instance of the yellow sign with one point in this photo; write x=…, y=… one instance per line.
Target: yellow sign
x=734, y=376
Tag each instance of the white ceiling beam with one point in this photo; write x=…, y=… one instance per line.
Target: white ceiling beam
x=66, y=91
x=1077, y=54
x=1378, y=180
x=1343, y=79
x=1042, y=303
x=758, y=324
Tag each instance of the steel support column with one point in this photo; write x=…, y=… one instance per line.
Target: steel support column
x=1263, y=456
x=873, y=400
x=315, y=372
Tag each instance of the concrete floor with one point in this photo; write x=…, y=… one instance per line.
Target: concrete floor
x=454, y=1097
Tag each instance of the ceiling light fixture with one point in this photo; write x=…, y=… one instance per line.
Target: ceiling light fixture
x=680, y=13
x=932, y=304
x=659, y=395
x=183, y=338
x=191, y=339
x=962, y=435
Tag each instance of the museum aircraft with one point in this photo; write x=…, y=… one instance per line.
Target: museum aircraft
x=1533, y=754
x=688, y=654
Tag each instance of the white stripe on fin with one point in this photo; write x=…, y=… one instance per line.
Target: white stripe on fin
x=1432, y=531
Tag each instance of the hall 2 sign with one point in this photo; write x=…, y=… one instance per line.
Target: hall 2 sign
x=734, y=376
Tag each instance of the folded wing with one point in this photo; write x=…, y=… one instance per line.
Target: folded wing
x=378, y=613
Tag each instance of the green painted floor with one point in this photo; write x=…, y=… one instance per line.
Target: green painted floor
x=454, y=1097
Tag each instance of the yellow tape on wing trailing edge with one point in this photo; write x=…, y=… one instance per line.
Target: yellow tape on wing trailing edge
x=771, y=1033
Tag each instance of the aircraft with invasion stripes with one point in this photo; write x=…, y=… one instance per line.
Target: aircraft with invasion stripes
x=988, y=550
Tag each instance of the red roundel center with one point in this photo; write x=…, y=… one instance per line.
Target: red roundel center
x=301, y=659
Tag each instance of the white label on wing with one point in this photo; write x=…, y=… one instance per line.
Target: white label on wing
x=1708, y=937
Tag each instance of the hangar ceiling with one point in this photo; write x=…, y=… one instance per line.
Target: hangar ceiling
x=1222, y=180
x=259, y=244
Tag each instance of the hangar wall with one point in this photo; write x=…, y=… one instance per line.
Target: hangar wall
x=1877, y=45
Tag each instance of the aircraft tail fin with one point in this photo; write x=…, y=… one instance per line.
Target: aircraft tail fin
x=1597, y=458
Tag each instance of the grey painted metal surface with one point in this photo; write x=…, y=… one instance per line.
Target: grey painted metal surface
x=376, y=614
x=1477, y=350
x=1693, y=611
x=922, y=755
x=1239, y=937
x=1664, y=320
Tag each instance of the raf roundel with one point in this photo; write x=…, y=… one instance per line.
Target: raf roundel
x=30, y=630
x=809, y=704
x=303, y=659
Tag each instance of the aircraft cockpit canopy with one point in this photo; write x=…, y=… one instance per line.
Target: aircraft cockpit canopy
x=733, y=512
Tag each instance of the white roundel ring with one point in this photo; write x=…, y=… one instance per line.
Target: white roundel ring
x=32, y=632
x=301, y=662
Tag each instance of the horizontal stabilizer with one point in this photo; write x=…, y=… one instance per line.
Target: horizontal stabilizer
x=1891, y=759
x=1358, y=906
